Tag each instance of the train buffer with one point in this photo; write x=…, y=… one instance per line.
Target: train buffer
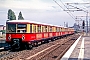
x=80, y=50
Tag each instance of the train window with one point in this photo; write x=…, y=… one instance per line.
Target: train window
x=57, y=29
x=34, y=29
x=21, y=25
x=42, y=28
x=45, y=28
x=53, y=29
x=61, y=29
x=50, y=29
x=30, y=28
x=11, y=28
x=21, y=31
x=39, y=28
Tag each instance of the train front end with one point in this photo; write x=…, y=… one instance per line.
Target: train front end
x=15, y=34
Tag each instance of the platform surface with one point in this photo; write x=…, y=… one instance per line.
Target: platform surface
x=80, y=49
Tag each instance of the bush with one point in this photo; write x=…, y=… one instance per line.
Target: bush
x=3, y=31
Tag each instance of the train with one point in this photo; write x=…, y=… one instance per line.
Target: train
x=26, y=33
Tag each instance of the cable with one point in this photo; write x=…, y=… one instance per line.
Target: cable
x=63, y=9
x=58, y=4
x=66, y=7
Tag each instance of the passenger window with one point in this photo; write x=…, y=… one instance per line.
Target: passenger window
x=45, y=28
x=42, y=28
x=56, y=29
x=39, y=28
x=61, y=29
x=30, y=28
x=50, y=29
x=34, y=29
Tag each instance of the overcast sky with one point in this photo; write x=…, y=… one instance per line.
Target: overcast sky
x=46, y=11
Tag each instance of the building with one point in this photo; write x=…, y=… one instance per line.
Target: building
x=1, y=27
x=76, y=27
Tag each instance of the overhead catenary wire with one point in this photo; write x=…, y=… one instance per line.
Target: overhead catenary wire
x=63, y=9
x=66, y=7
x=78, y=8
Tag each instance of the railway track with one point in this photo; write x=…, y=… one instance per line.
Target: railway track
x=7, y=55
x=46, y=50
x=3, y=53
x=55, y=52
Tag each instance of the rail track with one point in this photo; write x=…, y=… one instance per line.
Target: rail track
x=43, y=52
x=7, y=55
x=55, y=52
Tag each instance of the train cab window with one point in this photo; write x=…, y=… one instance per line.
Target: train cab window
x=21, y=28
x=21, y=31
x=11, y=28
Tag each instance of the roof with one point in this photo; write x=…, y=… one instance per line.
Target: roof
x=28, y=21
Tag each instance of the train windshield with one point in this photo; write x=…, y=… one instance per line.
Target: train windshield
x=11, y=28
x=21, y=28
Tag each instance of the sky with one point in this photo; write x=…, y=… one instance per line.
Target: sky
x=46, y=11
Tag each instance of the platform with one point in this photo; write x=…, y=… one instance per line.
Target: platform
x=80, y=50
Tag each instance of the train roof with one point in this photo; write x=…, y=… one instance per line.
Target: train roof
x=29, y=21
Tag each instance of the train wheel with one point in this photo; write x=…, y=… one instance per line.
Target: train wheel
x=52, y=39
x=36, y=44
x=28, y=46
x=42, y=42
x=46, y=41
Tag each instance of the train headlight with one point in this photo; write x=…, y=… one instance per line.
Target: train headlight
x=9, y=37
x=23, y=37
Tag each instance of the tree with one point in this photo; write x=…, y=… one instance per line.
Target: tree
x=20, y=17
x=11, y=15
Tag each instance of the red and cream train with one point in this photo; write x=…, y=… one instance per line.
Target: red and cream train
x=25, y=33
